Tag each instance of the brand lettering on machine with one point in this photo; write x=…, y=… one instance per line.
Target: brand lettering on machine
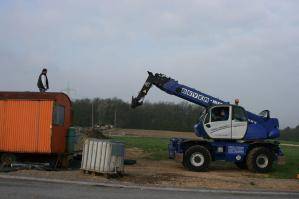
x=195, y=95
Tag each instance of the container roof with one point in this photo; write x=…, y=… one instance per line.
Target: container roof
x=31, y=95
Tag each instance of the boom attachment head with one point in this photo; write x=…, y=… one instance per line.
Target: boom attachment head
x=158, y=80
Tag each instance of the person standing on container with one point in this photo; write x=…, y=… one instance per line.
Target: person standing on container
x=43, y=83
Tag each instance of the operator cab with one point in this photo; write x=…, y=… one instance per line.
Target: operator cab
x=225, y=122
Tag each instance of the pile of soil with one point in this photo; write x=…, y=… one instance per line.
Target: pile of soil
x=83, y=133
x=93, y=133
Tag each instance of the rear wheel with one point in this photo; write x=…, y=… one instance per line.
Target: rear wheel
x=260, y=160
x=197, y=158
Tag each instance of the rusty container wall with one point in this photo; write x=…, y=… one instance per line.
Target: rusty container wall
x=25, y=126
x=26, y=122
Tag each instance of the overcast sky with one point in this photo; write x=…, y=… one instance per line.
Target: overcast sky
x=228, y=49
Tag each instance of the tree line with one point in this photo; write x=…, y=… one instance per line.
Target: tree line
x=291, y=134
x=153, y=116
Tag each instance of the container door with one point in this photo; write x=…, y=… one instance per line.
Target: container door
x=44, y=118
x=59, y=128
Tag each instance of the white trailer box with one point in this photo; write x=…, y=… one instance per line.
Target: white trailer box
x=103, y=156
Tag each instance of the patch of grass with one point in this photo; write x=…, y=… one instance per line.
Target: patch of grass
x=288, y=142
x=291, y=168
x=157, y=147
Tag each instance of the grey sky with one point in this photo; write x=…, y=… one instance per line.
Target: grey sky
x=228, y=49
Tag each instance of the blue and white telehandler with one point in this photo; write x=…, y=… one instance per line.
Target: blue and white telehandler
x=226, y=131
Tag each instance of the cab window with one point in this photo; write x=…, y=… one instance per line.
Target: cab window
x=239, y=114
x=219, y=114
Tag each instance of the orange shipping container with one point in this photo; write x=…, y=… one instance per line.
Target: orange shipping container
x=32, y=122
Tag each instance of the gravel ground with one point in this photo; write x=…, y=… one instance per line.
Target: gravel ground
x=168, y=173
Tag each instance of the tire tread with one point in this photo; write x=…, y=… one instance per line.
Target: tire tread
x=251, y=159
x=206, y=153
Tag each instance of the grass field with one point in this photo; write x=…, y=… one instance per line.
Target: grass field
x=291, y=168
x=289, y=142
x=158, y=150
x=156, y=147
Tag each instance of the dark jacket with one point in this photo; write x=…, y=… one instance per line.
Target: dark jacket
x=40, y=84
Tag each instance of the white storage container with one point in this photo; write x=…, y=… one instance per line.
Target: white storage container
x=103, y=156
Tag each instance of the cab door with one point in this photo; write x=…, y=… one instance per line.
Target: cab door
x=218, y=122
x=239, y=122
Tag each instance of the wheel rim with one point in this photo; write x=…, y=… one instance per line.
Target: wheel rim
x=262, y=161
x=197, y=159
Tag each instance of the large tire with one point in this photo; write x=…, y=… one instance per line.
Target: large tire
x=197, y=158
x=241, y=165
x=260, y=160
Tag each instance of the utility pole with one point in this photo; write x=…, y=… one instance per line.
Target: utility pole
x=115, y=113
x=92, y=118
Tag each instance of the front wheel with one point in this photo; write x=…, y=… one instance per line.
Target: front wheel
x=260, y=160
x=197, y=158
